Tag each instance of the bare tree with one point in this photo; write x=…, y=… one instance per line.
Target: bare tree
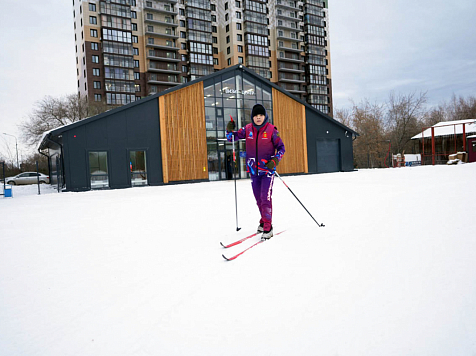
x=50, y=113
x=344, y=116
x=405, y=114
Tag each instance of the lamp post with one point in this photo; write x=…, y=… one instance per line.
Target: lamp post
x=16, y=147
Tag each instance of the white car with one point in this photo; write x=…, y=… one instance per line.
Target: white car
x=27, y=178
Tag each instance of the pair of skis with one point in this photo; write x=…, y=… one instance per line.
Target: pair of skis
x=242, y=240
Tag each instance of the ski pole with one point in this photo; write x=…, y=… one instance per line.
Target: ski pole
x=234, y=178
x=320, y=225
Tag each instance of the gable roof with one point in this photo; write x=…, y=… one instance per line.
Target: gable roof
x=448, y=128
x=59, y=130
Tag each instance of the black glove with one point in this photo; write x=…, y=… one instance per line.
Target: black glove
x=230, y=126
x=272, y=163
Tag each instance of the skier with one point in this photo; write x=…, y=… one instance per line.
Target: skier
x=264, y=150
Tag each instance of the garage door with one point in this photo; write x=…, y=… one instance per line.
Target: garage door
x=328, y=156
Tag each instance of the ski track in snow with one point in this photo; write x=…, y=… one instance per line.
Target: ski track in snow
x=139, y=271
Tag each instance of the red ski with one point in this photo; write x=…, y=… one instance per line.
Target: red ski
x=242, y=252
x=240, y=241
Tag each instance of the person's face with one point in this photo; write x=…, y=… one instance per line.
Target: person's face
x=259, y=119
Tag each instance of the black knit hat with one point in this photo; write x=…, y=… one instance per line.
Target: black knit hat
x=258, y=109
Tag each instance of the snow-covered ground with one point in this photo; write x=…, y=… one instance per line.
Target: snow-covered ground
x=139, y=271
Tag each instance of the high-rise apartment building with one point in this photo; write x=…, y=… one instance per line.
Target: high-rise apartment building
x=128, y=49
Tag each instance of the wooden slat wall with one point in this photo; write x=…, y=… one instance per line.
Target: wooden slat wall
x=290, y=118
x=183, y=134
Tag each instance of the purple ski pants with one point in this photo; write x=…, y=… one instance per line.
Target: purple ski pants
x=263, y=190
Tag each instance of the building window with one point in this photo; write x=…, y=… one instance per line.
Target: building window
x=98, y=170
x=214, y=39
x=214, y=18
x=239, y=37
x=92, y=7
x=135, y=39
x=183, y=45
x=150, y=28
x=133, y=14
x=226, y=6
x=215, y=61
x=93, y=20
x=135, y=51
x=97, y=97
x=215, y=50
x=229, y=61
x=227, y=39
x=136, y=76
x=136, y=63
x=96, y=72
x=184, y=58
x=150, y=40
x=228, y=50
x=238, y=15
x=97, y=85
x=137, y=87
x=134, y=27
x=95, y=59
x=237, y=4
x=148, y=3
x=240, y=49
x=94, y=33
x=94, y=46
x=183, y=34
x=227, y=28
x=240, y=60
x=238, y=26
x=213, y=7
x=227, y=17
x=150, y=16
x=214, y=29
x=182, y=12
x=138, y=167
x=182, y=23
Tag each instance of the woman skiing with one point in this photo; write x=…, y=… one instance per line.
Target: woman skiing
x=264, y=150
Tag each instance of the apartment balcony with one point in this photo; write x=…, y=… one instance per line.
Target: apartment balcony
x=162, y=34
x=163, y=59
x=168, y=1
x=291, y=59
x=319, y=3
x=161, y=10
x=292, y=88
x=285, y=5
x=162, y=23
x=163, y=70
x=290, y=49
x=161, y=82
x=168, y=48
x=290, y=18
x=286, y=26
x=282, y=67
x=284, y=79
x=283, y=37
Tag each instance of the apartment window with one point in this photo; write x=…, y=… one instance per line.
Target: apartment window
x=229, y=61
x=214, y=29
x=136, y=76
x=226, y=6
x=240, y=60
x=93, y=20
x=227, y=28
x=133, y=14
x=84, y=60
x=134, y=27
x=94, y=46
x=184, y=58
x=82, y=46
x=150, y=40
x=213, y=7
x=228, y=50
x=182, y=23
x=95, y=59
x=237, y=4
x=239, y=37
x=85, y=87
x=96, y=72
x=183, y=34
x=135, y=51
x=240, y=49
x=215, y=50
x=227, y=39
x=183, y=45
x=214, y=18
x=214, y=39
x=97, y=97
x=238, y=26
x=150, y=16
x=182, y=12
x=238, y=15
x=136, y=63
x=150, y=28
x=227, y=17
x=169, y=43
x=184, y=69
x=97, y=85
x=94, y=33
x=135, y=39
x=137, y=87
x=92, y=7
x=148, y=3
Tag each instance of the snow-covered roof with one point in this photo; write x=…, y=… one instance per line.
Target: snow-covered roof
x=448, y=128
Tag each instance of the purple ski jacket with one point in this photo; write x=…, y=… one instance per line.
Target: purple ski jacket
x=261, y=146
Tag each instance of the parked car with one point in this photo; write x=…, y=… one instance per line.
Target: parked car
x=27, y=178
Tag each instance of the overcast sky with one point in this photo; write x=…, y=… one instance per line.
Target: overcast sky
x=376, y=46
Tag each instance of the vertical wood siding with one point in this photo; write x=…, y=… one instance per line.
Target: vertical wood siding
x=183, y=135
x=290, y=118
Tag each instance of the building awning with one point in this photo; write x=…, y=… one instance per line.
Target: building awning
x=449, y=128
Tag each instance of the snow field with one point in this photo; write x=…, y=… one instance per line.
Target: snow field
x=139, y=271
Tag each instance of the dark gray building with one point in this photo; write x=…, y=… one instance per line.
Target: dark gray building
x=179, y=135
